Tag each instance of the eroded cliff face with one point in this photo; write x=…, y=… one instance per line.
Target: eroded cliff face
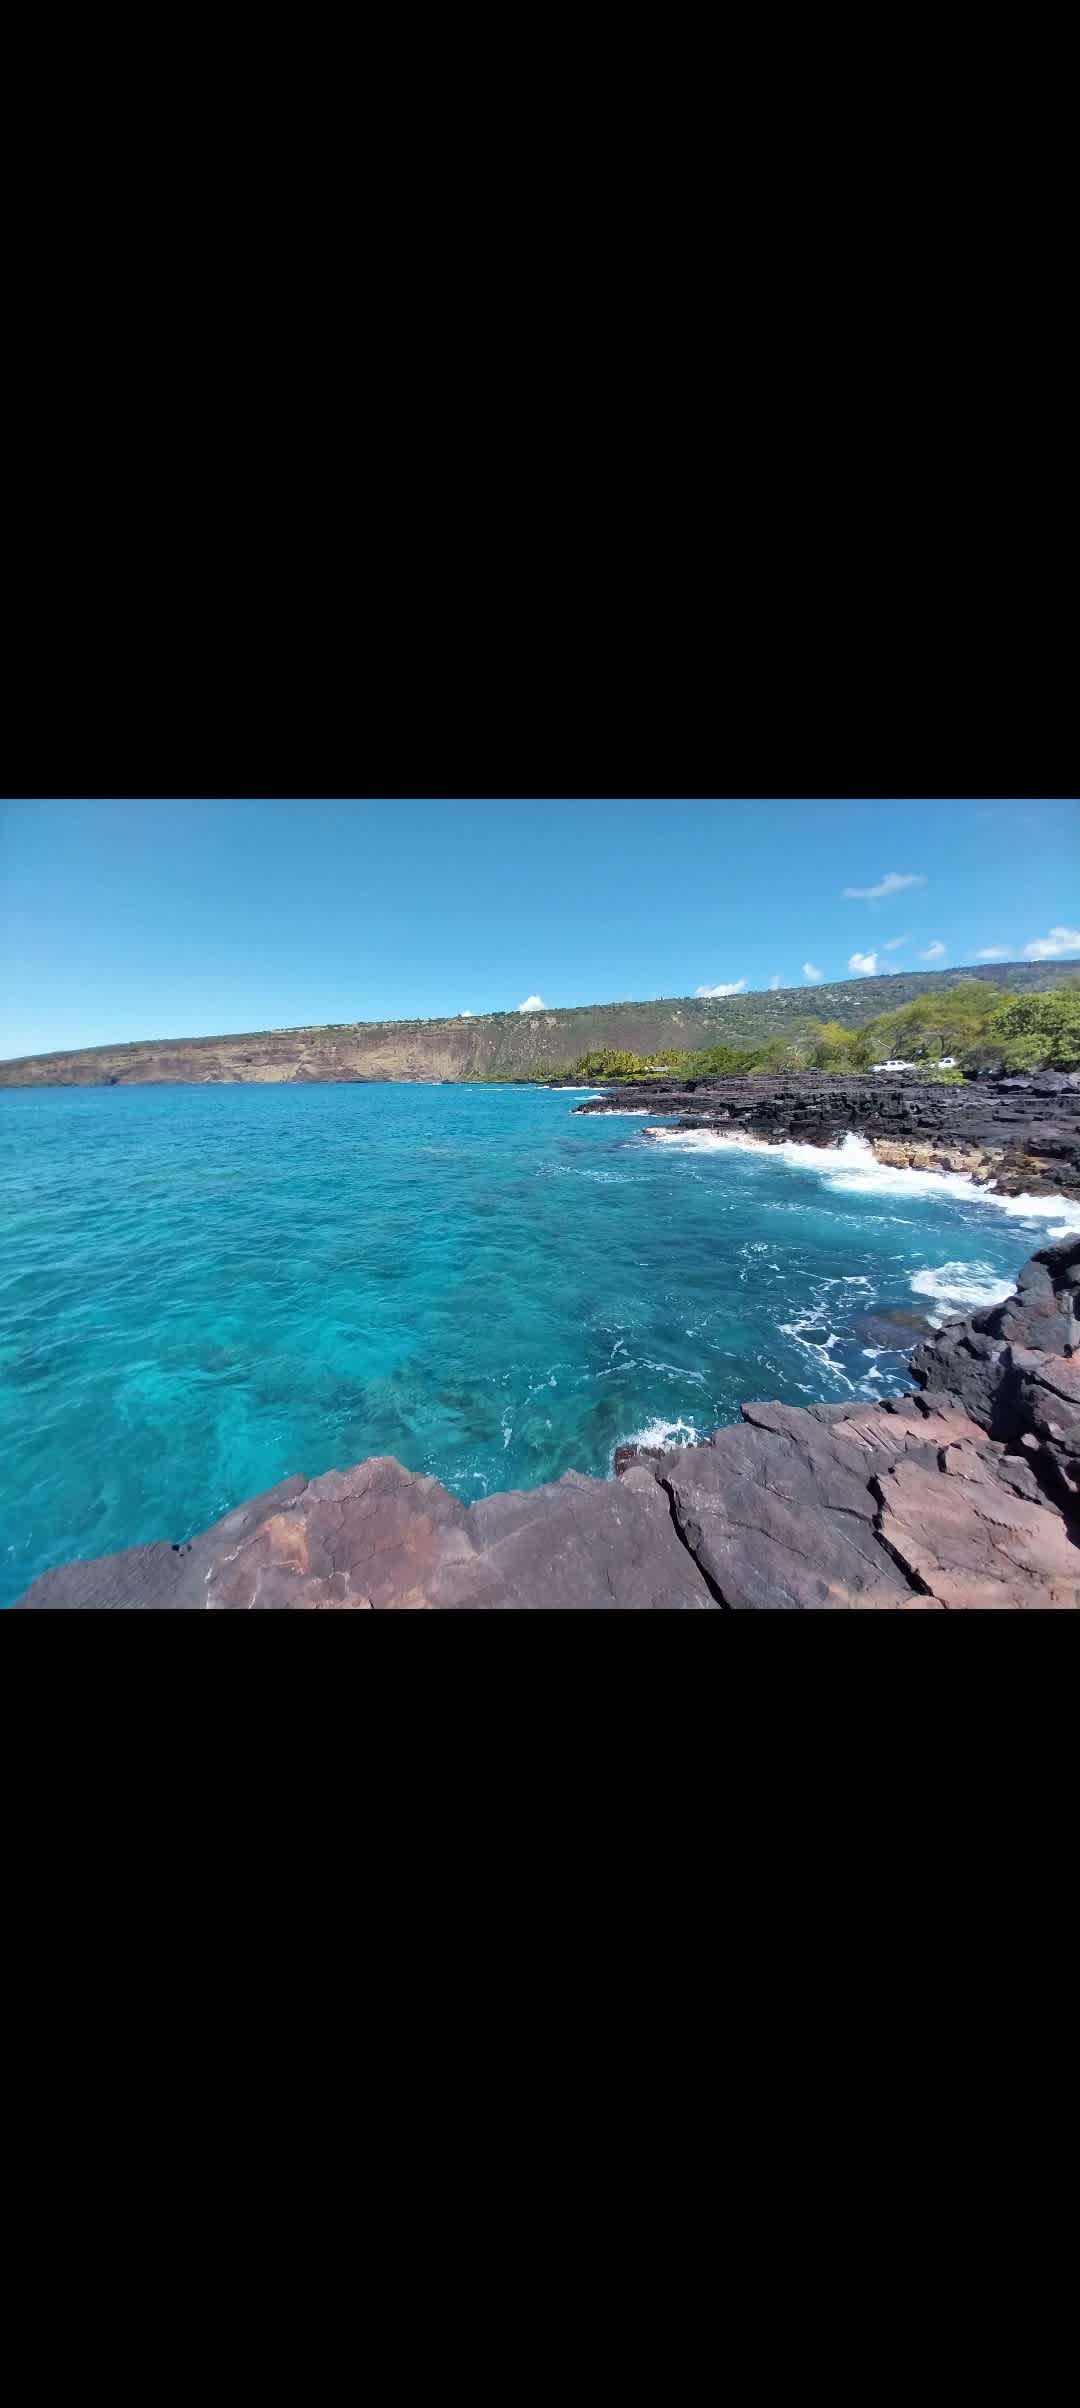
x=497, y=1045
x=431, y=1050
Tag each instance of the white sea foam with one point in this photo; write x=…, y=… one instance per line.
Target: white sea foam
x=961, y=1286
x=819, y=1348
x=662, y=1434
x=852, y=1168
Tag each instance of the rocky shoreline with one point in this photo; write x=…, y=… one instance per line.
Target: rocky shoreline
x=966, y=1495
x=1020, y=1134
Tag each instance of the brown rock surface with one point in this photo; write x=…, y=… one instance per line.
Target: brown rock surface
x=379, y=1535
x=782, y=1512
x=967, y=1539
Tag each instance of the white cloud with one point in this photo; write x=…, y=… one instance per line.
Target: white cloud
x=864, y=963
x=533, y=1003
x=734, y=988
x=774, y=982
x=934, y=952
x=889, y=885
x=1049, y=948
x=809, y=971
x=895, y=941
x=996, y=953
x=466, y=1015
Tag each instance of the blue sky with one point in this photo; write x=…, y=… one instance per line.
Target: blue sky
x=126, y=919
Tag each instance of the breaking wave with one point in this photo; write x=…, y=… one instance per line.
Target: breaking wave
x=963, y=1287
x=852, y=1168
x=662, y=1434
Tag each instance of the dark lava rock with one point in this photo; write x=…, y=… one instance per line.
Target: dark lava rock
x=1027, y=1128
x=897, y=1330
x=1043, y=1311
x=981, y=1359
x=977, y=1371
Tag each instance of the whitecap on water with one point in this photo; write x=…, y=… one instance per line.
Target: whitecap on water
x=662, y=1434
x=819, y=1348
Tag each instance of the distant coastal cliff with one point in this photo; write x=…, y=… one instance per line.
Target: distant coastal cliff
x=502, y=1045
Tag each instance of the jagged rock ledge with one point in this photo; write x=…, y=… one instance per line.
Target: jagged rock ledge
x=966, y=1495
x=1021, y=1133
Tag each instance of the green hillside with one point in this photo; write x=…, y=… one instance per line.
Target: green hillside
x=513, y=1045
x=970, y=1030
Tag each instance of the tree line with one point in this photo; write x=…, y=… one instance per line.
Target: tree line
x=987, y=1030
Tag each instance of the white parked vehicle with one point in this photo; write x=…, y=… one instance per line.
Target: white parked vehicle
x=947, y=1062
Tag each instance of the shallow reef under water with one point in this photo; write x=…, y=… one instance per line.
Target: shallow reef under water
x=206, y=1289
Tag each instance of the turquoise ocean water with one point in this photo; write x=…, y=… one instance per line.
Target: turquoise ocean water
x=206, y=1288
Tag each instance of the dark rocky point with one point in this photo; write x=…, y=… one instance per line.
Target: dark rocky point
x=1022, y=1133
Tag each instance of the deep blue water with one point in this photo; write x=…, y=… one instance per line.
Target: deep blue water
x=206, y=1288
